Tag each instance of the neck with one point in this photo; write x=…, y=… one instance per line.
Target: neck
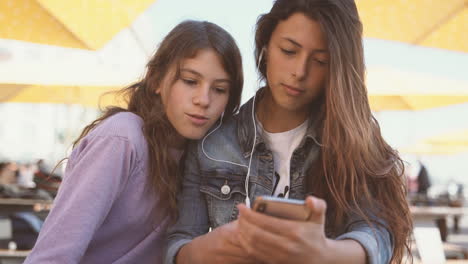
x=275, y=119
x=178, y=142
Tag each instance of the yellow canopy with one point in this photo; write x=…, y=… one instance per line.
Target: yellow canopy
x=394, y=102
x=429, y=149
x=392, y=89
x=455, y=139
x=439, y=24
x=85, y=24
x=91, y=96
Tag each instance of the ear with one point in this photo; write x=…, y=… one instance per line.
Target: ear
x=158, y=91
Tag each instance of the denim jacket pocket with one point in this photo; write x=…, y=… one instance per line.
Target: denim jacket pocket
x=223, y=191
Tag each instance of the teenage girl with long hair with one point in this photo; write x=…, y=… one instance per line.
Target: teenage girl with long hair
x=119, y=188
x=308, y=134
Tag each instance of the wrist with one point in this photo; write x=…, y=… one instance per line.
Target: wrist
x=185, y=254
x=329, y=251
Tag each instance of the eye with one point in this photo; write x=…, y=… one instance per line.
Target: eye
x=288, y=52
x=320, y=62
x=220, y=90
x=190, y=82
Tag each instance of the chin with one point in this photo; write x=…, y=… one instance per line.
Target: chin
x=194, y=134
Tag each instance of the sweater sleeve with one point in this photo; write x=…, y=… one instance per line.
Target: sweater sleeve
x=97, y=171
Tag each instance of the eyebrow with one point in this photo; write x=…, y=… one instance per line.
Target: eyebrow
x=300, y=46
x=200, y=75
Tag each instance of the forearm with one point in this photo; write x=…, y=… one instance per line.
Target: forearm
x=345, y=251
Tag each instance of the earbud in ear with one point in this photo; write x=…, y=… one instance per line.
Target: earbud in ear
x=260, y=57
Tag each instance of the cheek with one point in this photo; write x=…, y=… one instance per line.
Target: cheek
x=175, y=102
x=217, y=107
x=275, y=66
x=168, y=102
x=273, y=75
x=317, y=79
x=221, y=105
x=171, y=113
x=177, y=95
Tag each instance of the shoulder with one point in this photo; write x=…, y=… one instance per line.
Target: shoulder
x=220, y=143
x=122, y=126
x=222, y=134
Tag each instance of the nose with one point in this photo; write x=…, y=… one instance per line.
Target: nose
x=300, y=68
x=201, y=96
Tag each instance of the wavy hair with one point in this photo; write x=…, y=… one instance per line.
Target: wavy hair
x=357, y=172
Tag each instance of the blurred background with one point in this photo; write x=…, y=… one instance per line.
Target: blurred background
x=58, y=58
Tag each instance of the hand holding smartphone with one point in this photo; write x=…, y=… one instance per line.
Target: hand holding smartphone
x=284, y=208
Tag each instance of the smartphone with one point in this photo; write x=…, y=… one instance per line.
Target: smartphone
x=291, y=209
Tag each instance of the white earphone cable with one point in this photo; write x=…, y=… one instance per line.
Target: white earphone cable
x=247, y=178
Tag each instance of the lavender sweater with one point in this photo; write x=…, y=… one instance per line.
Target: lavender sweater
x=104, y=212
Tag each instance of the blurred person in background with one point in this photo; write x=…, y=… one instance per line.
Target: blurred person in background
x=418, y=182
x=9, y=173
x=26, y=175
x=46, y=178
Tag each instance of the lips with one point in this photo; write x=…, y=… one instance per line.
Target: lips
x=293, y=91
x=197, y=120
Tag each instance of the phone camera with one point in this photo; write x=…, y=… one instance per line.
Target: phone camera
x=261, y=207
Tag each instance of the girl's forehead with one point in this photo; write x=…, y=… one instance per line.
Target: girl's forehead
x=301, y=31
x=206, y=63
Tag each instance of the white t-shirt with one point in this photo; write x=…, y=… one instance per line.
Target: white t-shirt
x=283, y=145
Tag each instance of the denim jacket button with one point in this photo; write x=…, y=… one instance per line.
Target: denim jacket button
x=225, y=189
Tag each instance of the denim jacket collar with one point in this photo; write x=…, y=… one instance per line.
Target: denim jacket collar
x=245, y=128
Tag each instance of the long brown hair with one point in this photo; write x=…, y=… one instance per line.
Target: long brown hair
x=184, y=41
x=357, y=172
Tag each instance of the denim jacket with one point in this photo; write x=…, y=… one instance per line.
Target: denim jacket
x=203, y=205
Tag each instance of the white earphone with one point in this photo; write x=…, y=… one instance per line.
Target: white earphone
x=247, y=178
